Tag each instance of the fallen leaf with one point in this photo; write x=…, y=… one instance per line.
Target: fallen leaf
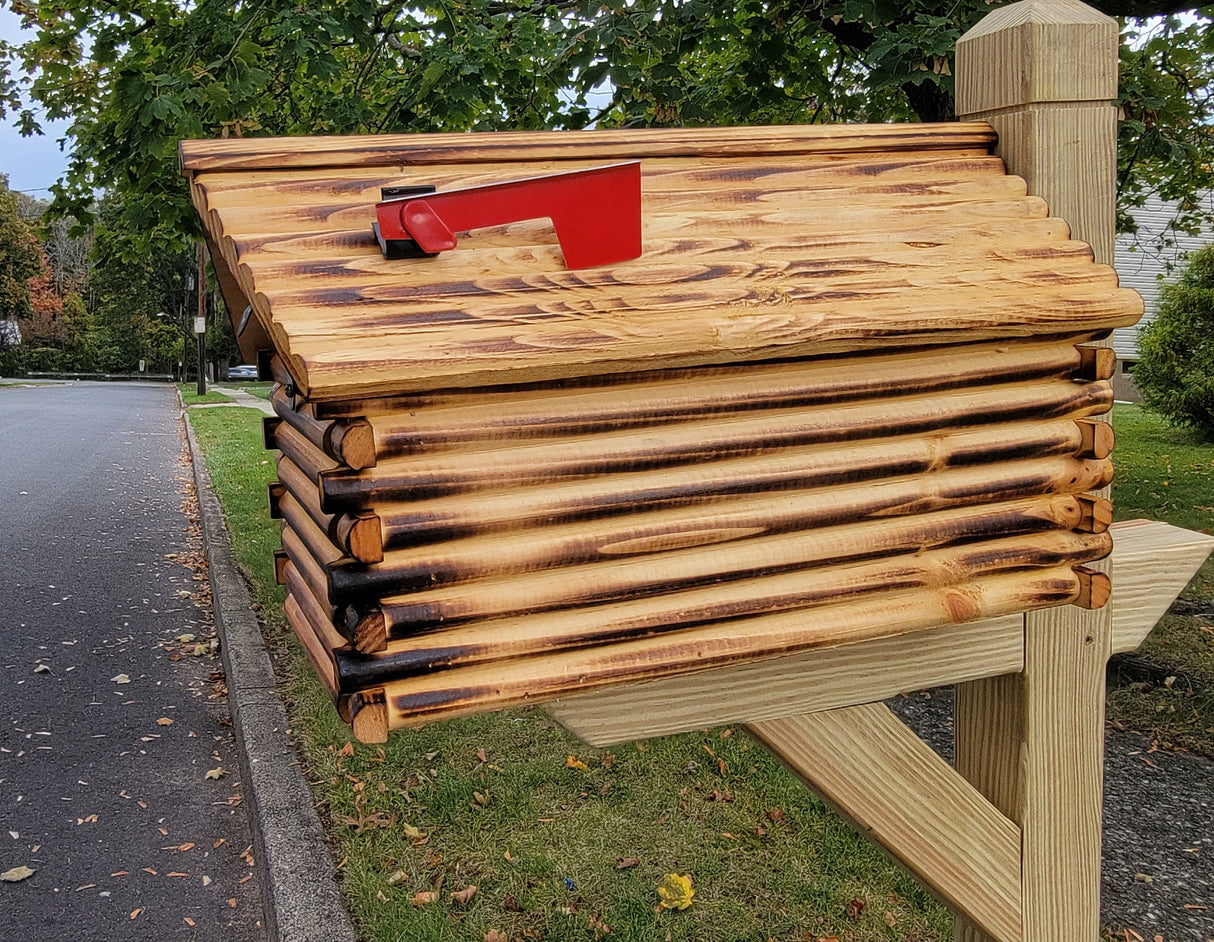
x=42, y=669
x=414, y=834
x=480, y=754
x=573, y=762
x=379, y=895
x=889, y=919
x=463, y=896
x=855, y=907
x=481, y=799
x=397, y=878
x=494, y=936
x=675, y=892
x=178, y=873
x=17, y=874
x=135, y=913
x=1143, y=878
x=424, y=898
x=185, y=639
x=776, y=816
x=217, y=773
x=121, y=679
x=206, y=881
x=164, y=721
x=188, y=921
x=623, y=863
x=346, y=750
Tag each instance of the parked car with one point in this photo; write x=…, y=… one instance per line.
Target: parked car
x=244, y=371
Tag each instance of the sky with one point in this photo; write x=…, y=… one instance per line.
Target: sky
x=32, y=163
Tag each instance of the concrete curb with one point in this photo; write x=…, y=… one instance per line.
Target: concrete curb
x=301, y=896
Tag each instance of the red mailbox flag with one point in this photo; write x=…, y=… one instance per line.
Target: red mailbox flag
x=596, y=214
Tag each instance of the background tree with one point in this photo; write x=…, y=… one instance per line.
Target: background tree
x=1176, y=369
x=20, y=257
x=156, y=72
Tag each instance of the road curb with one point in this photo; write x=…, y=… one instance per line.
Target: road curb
x=301, y=896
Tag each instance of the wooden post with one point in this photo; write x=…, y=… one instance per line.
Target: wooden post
x=1044, y=74
x=202, y=317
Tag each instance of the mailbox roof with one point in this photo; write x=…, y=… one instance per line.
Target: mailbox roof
x=758, y=243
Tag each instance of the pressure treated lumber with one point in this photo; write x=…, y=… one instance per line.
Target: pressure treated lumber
x=395, y=150
x=428, y=423
x=348, y=443
x=894, y=789
x=1034, y=743
x=357, y=535
x=531, y=634
x=881, y=465
x=401, y=616
x=1164, y=559
x=462, y=691
x=561, y=574
x=1153, y=557
x=747, y=241
x=421, y=476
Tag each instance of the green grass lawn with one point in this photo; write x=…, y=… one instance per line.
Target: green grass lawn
x=501, y=801
x=190, y=397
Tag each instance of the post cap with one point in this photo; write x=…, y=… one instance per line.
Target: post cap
x=1037, y=51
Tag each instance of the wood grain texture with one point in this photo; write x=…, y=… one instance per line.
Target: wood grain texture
x=1045, y=75
x=1151, y=559
x=430, y=423
x=744, y=258
x=559, y=574
x=463, y=691
x=825, y=519
x=396, y=150
x=712, y=439
x=880, y=464
x=1164, y=558
x=531, y=634
x=895, y=790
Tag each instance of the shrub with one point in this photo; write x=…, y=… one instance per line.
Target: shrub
x=1176, y=370
x=43, y=360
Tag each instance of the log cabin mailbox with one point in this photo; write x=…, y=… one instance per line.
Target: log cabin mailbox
x=771, y=424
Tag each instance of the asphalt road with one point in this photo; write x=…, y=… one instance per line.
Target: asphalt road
x=108, y=723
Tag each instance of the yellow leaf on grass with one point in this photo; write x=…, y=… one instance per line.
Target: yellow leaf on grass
x=675, y=892
x=573, y=762
x=424, y=898
x=463, y=896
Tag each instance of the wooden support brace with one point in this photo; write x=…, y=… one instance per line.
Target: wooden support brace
x=893, y=788
x=1163, y=560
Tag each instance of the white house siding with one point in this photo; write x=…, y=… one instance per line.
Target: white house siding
x=1141, y=259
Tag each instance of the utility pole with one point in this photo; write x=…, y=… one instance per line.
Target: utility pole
x=200, y=322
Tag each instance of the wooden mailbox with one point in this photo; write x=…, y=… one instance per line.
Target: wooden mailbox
x=829, y=436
